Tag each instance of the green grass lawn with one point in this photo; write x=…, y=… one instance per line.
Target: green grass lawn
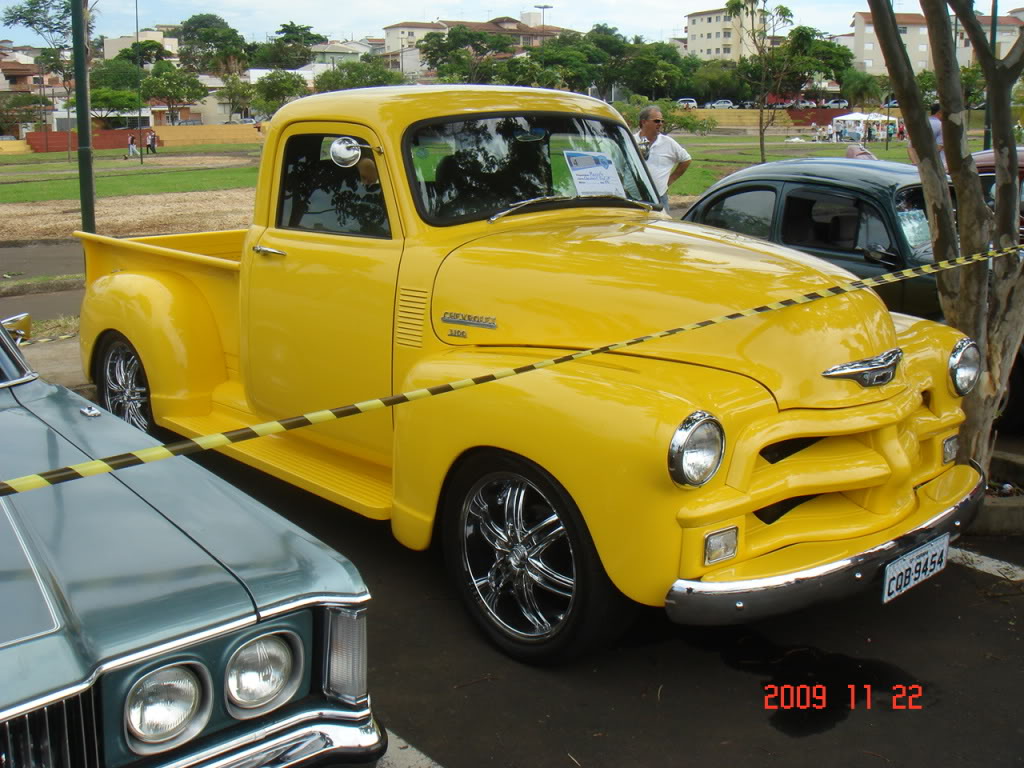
x=715, y=157
x=164, y=180
x=60, y=158
x=51, y=177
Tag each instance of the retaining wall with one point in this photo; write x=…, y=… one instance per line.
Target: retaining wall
x=167, y=136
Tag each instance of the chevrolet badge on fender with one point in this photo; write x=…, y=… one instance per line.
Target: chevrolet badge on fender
x=477, y=321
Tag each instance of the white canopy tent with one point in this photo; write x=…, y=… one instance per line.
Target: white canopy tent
x=854, y=125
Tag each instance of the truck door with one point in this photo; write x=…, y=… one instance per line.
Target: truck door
x=320, y=288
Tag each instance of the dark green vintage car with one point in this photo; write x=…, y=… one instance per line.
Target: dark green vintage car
x=157, y=616
x=867, y=216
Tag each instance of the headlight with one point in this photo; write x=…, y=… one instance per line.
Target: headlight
x=163, y=705
x=964, y=367
x=696, y=450
x=261, y=675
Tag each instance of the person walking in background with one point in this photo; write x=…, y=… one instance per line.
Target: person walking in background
x=935, y=123
x=666, y=159
x=133, y=149
x=151, y=142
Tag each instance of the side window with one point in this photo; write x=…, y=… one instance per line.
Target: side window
x=748, y=212
x=834, y=222
x=319, y=196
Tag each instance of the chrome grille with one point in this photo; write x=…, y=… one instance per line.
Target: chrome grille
x=65, y=734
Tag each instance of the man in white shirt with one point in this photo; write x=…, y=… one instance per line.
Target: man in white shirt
x=666, y=160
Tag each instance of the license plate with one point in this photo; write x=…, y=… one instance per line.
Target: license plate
x=914, y=567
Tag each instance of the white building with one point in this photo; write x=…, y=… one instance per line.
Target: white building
x=715, y=34
x=114, y=45
x=913, y=31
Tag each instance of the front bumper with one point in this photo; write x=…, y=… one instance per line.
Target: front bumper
x=737, y=602
x=309, y=738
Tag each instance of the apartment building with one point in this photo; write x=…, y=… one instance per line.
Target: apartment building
x=716, y=34
x=114, y=45
x=913, y=31
x=400, y=40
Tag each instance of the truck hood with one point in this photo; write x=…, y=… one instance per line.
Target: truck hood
x=584, y=283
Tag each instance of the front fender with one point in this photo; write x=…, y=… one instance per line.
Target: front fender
x=600, y=426
x=170, y=324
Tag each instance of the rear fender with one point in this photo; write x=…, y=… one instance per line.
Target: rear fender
x=171, y=325
x=600, y=426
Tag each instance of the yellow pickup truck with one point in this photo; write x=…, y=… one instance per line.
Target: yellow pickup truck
x=411, y=236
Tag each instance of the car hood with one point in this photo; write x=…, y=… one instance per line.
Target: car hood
x=584, y=283
x=98, y=569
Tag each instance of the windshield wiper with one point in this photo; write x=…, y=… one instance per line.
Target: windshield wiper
x=566, y=198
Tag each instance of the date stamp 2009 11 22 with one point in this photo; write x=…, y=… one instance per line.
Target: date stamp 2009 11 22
x=816, y=696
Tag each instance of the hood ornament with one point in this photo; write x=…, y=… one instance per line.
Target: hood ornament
x=871, y=372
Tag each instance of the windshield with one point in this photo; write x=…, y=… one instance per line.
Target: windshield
x=466, y=169
x=910, y=212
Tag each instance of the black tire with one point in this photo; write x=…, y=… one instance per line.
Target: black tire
x=523, y=562
x=121, y=383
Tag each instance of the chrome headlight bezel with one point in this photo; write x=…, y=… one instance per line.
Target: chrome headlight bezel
x=963, y=348
x=190, y=728
x=694, y=427
x=242, y=711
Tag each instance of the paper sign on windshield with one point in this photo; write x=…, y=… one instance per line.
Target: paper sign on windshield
x=594, y=173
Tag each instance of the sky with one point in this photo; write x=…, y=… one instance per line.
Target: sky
x=654, y=20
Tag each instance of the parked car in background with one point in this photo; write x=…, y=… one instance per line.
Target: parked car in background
x=248, y=121
x=160, y=615
x=687, y=103
x=748, y=105
x=986, y=164
x=836, y=104
x=781, y=105
x=867, y=216
x=804, y=104
x=723, y=104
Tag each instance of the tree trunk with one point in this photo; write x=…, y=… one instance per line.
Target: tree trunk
x=966, y=309
x=1003, y=312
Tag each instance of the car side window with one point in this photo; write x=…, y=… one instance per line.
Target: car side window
x=748, y=212
x=833, y=222
x=319, y=196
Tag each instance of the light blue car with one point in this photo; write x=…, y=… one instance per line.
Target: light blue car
x=158, y=615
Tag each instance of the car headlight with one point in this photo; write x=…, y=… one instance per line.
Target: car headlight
x=696, y=450
x=964, y=366
x=166, y=707
x=261, y=675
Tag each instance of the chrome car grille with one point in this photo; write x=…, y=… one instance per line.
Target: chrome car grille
x=65, y=734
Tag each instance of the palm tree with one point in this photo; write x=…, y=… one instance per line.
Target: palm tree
x=860, y=88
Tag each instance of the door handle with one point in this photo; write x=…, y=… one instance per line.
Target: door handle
x=264, y=250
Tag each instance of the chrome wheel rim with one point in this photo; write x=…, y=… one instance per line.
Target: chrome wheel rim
x=517, y=556
x=125, y=391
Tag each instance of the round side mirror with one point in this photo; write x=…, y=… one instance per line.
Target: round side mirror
x=345, y=151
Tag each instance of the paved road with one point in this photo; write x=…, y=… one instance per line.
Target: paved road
x=37, y=260
x=669, y=695
x=43, y=306
x=33, y=260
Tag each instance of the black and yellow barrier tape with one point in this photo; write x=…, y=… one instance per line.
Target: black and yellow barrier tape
x=47, y=339
x=219, y=440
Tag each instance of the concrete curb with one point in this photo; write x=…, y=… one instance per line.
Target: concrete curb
x=59, y=283
x=1001, y=515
